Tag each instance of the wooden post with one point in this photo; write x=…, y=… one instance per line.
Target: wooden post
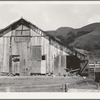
x=10, y=56
x=65, y=87
x=59, y=65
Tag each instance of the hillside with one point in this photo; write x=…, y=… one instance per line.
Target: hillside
x=86, y=29
x=64, y=34
x=90, y=41
x=87, y=37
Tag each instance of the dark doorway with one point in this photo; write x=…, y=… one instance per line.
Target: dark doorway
x=73, y=62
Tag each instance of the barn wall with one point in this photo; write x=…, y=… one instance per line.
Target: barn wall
x=1, y=53
x=57, y=58
x=5, y=52
x=48, y=52
x=50, y=49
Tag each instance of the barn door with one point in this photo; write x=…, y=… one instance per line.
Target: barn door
x=20, y=59
x=36, y=59
x=43, y=64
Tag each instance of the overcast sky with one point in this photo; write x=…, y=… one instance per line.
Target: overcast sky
x=49, y=16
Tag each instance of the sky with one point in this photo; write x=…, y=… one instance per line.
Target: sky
x=50, y=16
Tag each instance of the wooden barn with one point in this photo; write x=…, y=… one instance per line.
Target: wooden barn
x=27, y=50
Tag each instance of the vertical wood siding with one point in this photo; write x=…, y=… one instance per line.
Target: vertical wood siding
x=1, y=53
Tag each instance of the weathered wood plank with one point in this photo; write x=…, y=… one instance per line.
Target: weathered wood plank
x=1, y=53
x=23, y=59
x=6, y=55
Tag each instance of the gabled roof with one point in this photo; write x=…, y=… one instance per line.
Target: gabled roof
x=28, y=24
x=17, y=24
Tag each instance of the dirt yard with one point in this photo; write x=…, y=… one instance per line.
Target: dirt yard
x=45, y=84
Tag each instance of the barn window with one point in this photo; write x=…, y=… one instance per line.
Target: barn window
x=22, y=34
x=43, y=57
